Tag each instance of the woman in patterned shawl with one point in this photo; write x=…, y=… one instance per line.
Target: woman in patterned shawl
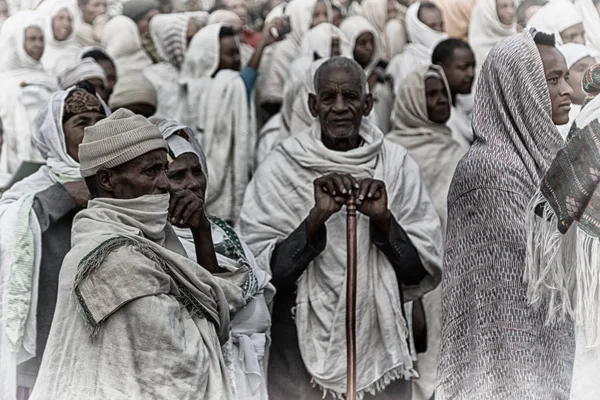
x=494, y=345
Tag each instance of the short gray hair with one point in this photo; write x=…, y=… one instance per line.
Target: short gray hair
x=344, y=63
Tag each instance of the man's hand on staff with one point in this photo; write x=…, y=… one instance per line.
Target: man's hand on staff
x=371, y=200
x=186, y=210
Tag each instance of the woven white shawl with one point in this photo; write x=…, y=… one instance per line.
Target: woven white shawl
x=279, y=199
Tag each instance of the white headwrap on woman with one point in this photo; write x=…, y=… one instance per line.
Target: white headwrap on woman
x=555, y=17
x=355, y=26
x=391, y=35
x=301, y=118
x=21, y=246
x=217, y=107
x=85, y=69
x=591, y=23
x=417, y=53
x=231, y=19
x=121, y=39
x=58, y=55
x=26, y=88
x=486, y=30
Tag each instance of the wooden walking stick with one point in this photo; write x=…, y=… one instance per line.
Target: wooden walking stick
x=351, y=300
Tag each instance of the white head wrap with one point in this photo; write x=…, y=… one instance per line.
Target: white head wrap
x=355, y=26
x=555, y=17
x=318, y=40
x=418, y=32
x=574, y=52
x=202, y=56
x=591, y=23
x=486, y=30
x=12, y=41
x=88, y=68
x=58, y=54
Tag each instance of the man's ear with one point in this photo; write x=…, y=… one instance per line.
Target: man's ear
x=105, y=180
x=312, y=105
x=368, y=104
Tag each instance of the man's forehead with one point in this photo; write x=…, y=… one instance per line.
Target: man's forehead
x=335, y=76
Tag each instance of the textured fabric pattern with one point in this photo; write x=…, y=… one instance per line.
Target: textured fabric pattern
x=494, y=345
x=168, y=33
x=591, y=83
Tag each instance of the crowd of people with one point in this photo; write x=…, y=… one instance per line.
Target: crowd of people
x=175, y=174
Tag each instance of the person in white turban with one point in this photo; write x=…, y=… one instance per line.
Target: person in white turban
x=86, y=70
x=26, y=88
x=579, y=59
x=492, y=21
x=61, y=49
x=561, y=19
x=425, y=29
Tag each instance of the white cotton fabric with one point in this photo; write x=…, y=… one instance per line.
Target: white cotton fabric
x=58, y=55
x=355, y=26
x=486, y=30
x=217, y=108
x=391, y=36
x=18, y=347
x=269, y=136
x=555, y=17
x=591, y=23
x=575, y=52
x=417, y=53
x=121, y=40
x=271, y=212
x=460, y=121
x=87, y=68
x=301, y=118
x=26, y=89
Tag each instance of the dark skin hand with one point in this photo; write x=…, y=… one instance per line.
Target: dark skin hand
x=186, y=210
x=332, y=192
x=79, y=192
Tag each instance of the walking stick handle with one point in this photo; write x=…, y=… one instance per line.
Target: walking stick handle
x=351, y=299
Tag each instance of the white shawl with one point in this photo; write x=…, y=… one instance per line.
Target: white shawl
x=555, y=17
x=218, y=110
x=20, y=248
x=58, y=55
x=391, y=36
x=355, y=26
x=121, y=40
x=26, y=88
x=591, y=23
x=301, y=118
x=486, y=30
x=272, y=211
x=418, y=52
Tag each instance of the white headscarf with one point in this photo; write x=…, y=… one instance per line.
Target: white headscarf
x=555, y=17
x=12, y=41
x=355, y=26
x=486, y=30
x=301, y=14
x=58, y=55
x=169, y=34
x=417, y=53
x=87, y=68
x=591, y=23
x=575, y=52
x=121, y=39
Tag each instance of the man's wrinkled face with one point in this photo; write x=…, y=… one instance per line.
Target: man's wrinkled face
x=432, y=17
x=34, y=43
x=573, y=34
x=340, y=103
x=185, y=172
x=460, y=71
x=557, y=78
x=62, y=25
x=576, y=77
x=141, y=176
x=506, y=11
x=229, y=54
x=438, y=103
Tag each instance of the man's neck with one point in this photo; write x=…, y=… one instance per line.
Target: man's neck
x=345, y=144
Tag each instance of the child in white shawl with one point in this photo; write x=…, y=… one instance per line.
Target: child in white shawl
x=26, y=88
x=590, y=12
x=492, y=21
x=561, y=19
x=251, y=321
x=425, y=30
x=579, y=59
x=391, y=33
x=61, y=49
x=215, y=99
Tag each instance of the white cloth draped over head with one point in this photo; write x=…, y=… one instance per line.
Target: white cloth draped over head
x=58, y=55
x=217, y=108
x=316, y=43
x=575, y=52
x=555, y=17
x=591, y=23
x=162, y=303
x=355, y=26
x=301, y=118
x=87, y=68
x=271, y=212
x=274, y=68
x=417, y=53
x=20, y=247
x=252, y=321
x=486, y=30
x=26, y=89
x=169, y=35
x=231, y=19
x=391, y=36
x=121, y=39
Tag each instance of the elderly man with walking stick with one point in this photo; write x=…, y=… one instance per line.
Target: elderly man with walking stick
x=294, y=220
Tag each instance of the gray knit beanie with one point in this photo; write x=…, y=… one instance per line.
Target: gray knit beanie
x=117, y=139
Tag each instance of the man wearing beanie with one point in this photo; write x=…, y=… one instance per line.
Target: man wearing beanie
x=135, y=318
